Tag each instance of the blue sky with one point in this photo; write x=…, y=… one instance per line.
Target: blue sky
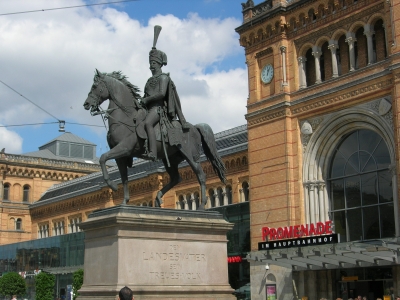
x=50, y=58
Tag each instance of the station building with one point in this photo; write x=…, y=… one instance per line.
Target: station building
x=54, y=242
x=323, y=147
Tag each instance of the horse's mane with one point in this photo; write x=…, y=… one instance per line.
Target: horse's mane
x=123, y=79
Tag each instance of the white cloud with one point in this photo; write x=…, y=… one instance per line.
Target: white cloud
x=51, y=57
x=10, y=140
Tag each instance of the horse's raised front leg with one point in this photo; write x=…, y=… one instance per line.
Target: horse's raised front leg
x=175, y=178
x=123, y=170
x=123, y=149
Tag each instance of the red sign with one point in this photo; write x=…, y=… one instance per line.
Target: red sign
x=296, y=231
x=234, y=259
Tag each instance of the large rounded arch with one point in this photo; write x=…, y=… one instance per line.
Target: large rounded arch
x=320, y=149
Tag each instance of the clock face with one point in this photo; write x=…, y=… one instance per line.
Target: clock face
x=267, y=73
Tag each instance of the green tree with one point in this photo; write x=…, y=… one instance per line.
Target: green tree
x=44, y=283
x=12, y=284
x=77, y=281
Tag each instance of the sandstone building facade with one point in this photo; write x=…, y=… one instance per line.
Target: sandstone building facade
x=323, y=136
x=24, y=178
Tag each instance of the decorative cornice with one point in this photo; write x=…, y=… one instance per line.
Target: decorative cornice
x=268, y=117
x=264, y=52
x=340, y=98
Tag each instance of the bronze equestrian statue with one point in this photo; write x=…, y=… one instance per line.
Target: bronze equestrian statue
x=134, y=122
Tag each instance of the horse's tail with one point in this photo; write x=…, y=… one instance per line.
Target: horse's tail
x=210, y=150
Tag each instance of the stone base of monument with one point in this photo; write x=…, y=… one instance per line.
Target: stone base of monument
x=158, y=253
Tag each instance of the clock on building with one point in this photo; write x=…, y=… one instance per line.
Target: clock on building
x=267, y=73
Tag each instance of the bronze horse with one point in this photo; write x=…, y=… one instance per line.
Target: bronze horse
x=125, y=115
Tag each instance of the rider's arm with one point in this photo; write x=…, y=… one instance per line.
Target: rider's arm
x=163, y=87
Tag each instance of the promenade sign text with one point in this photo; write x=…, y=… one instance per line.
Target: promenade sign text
x=319, y=233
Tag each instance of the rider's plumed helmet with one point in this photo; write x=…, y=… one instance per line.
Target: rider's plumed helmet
x=155, y=54
x=158, y=56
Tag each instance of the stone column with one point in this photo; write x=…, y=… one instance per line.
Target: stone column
x=368, y=32
x=316, y=52
x=302, y=72
x=350, y=41
x=283, y=52
x=333, y=46
x=194, y=207
x=311, y=188
x=224, y=196
x=186, y=204
x=307, y=201
x=216, y=198
x=241, y=195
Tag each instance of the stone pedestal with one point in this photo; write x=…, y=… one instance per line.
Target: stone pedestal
x=158, y=253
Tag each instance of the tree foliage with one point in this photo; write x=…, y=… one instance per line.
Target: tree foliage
x=77, y=282
x=12, y=284
x=44, y=283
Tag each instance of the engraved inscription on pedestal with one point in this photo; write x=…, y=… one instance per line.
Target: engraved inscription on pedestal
x=175, y=264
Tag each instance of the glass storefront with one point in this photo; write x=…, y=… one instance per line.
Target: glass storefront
x=59, y=255
x=371, y=283
x=238, y=246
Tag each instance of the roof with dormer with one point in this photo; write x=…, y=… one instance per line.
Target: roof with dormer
x=228, y=142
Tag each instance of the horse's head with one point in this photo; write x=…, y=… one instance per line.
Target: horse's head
x=98, y=93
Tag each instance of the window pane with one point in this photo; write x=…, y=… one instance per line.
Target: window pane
x=369, y=189
x=352, y=166
x=337, y=194
x=385, y=186
x=368, y=140
x=354, y=223
x=349, y=145
x=371, y=222
x=337, y=169
x=382, y=156
x=352, y=190
x=367, y=162
x=387, y=220
x=339, y=219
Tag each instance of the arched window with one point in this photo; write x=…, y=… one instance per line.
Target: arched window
x=212, y=197
x=361, y=192
x=228, y=191
x=18, y=224
x=310, y=68
x=181, y=202
x=379, y=42
x=197, y=199
x=6, y=191
x=26, y=194
x=360, y=49
x=189, y=201
x=245, y=187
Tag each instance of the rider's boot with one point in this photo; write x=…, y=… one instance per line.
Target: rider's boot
x=151, y=135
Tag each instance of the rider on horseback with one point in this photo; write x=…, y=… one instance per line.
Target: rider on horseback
x=159, y=93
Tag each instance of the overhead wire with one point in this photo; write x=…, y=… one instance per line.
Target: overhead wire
x=48, y=123
x=30, y=101
x=65, y=7
x=41, y=108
